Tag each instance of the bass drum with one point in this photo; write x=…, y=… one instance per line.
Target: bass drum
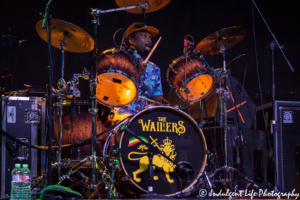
x=117, y=75
x=198, y=82
x=172, y=131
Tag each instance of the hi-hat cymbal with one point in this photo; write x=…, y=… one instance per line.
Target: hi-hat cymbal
x=227, y=38
x=154, y=5
x=76, y=39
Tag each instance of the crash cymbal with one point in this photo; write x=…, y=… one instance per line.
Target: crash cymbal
x=227, y=37
x=76, y=39
x=154, y=5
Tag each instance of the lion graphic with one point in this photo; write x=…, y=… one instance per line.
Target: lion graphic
x=158, y=160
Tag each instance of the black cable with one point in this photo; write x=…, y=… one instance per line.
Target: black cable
x=115, y=37
x=261, y=100
x=210, y=133
x=81, y=143
x=245, y=70
x=215, y=117
x=49, y=129
x=238, y=125
x=181, y=186
x=185, y=71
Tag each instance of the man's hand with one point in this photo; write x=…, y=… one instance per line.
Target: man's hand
x=160, y=99
x=142, y=66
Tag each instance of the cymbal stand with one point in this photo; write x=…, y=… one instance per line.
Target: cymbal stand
x=60, y=94
x=224, y=95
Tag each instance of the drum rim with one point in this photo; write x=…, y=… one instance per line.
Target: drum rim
x=111, y=106
x=178, y=92
x=199, y=131
x=76, y=103
x=118, y=72
x=175, y=61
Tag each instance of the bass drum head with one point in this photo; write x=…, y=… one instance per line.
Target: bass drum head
x=176, y=135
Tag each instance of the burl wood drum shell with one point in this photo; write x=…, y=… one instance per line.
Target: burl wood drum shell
x=80, y=128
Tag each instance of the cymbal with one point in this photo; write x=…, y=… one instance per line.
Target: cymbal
x=227, y=38
x=76, y=39
x=154, y=5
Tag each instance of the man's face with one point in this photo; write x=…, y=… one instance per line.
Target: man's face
x=142, y=42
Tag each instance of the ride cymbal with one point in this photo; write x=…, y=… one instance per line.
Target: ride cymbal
x=227, y=38
x=75, y=38
x=154, y=5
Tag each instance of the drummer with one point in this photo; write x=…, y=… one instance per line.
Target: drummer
x=139, y=37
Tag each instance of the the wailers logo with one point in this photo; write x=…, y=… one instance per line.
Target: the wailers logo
x=163, y=126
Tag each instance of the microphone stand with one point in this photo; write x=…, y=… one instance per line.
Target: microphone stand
x=273, y=44
x=273, y=35
x=47, y=22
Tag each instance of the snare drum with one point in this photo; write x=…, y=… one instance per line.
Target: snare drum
x=117, y=75
x=198, y=82
x=176, y=134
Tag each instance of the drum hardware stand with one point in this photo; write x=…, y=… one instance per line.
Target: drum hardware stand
x=55, y=167
x=60, y=94
x=224, y=96
x=69, y=90
x=93, y=85
x=106, y=178
x=93, y=111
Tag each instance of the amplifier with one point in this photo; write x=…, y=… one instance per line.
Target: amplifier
x=252, y=155
x=286, y=137
x=297, y=168
x=24, y=119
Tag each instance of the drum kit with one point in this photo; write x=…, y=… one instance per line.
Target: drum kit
x=161, y=139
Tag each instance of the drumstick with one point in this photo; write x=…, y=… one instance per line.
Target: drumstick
x=149, y=100
x=151, y=52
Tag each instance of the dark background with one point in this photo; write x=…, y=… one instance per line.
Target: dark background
x=179, y=18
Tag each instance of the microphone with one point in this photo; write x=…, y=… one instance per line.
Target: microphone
x=13, y=41
x=185, y=46
x=184, y=171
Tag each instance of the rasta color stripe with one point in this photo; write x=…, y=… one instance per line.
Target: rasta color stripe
x=133, y=141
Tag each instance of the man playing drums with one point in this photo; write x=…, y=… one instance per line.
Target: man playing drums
x=139, y=37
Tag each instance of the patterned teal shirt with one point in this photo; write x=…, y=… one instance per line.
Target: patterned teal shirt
x=149, y=86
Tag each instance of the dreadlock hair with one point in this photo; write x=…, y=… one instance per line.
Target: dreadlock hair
x=127, y=39
x=127, y=46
